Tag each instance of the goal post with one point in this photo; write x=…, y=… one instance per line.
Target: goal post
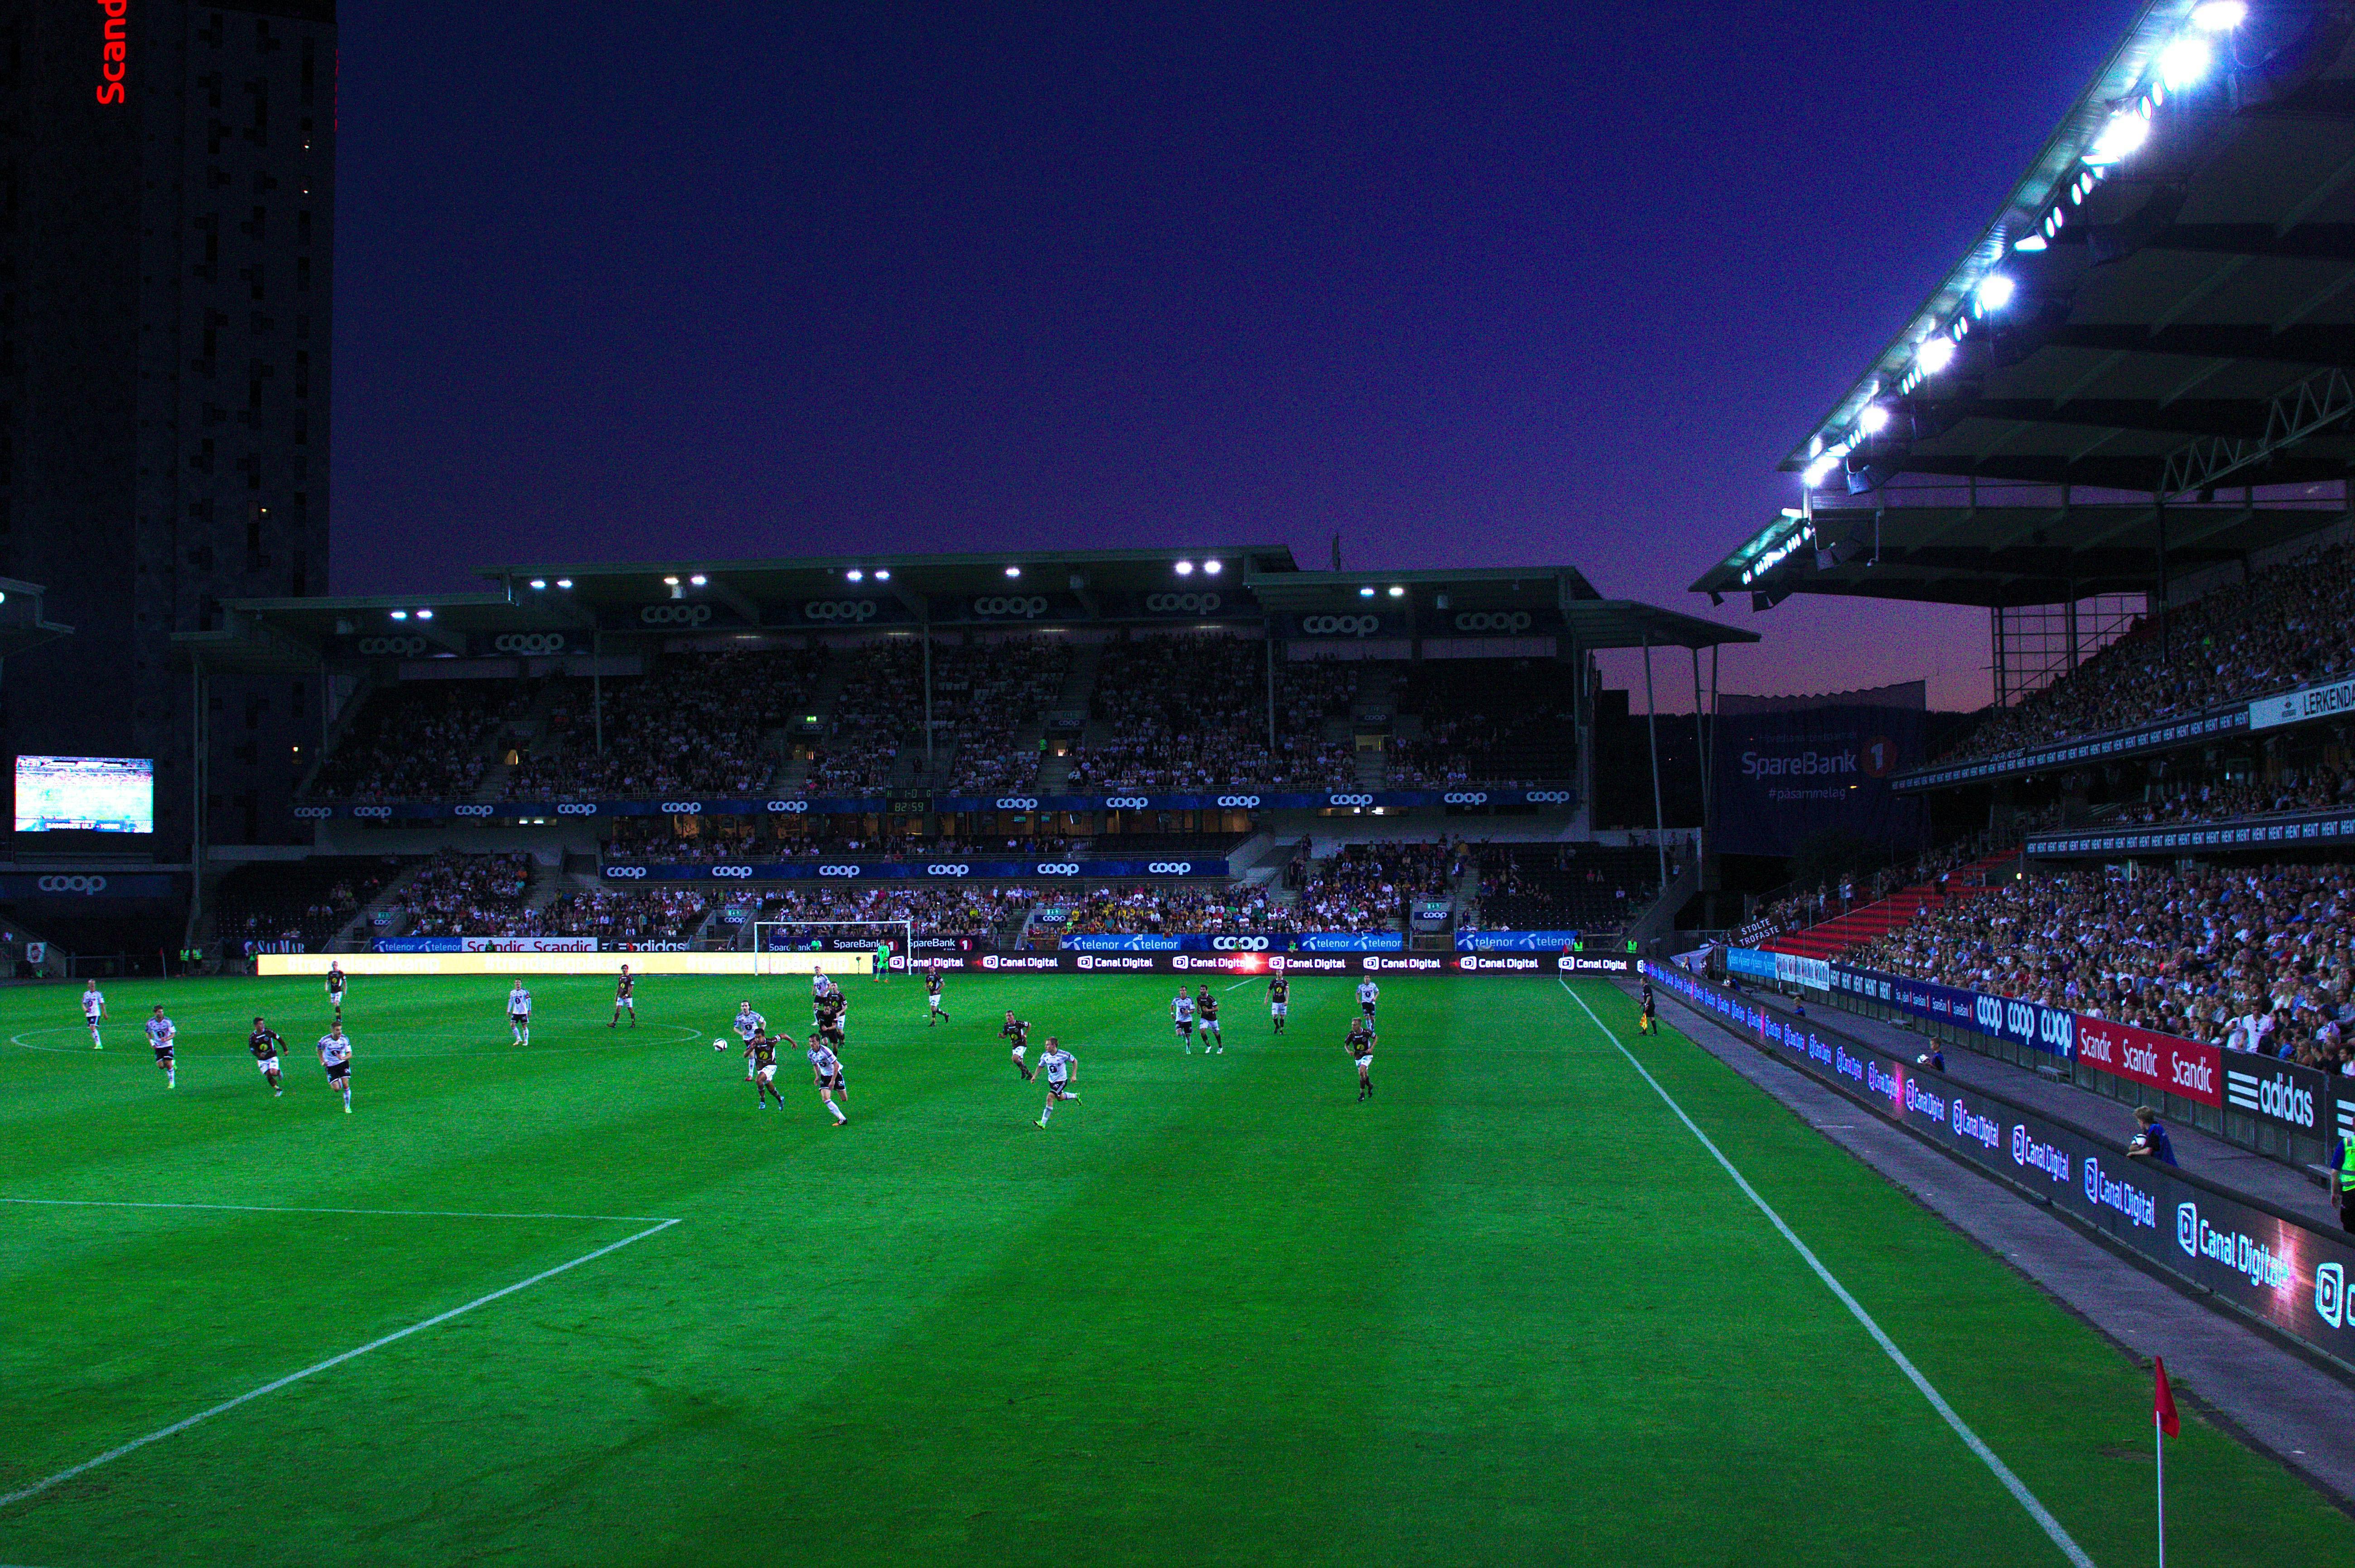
x=850, y=942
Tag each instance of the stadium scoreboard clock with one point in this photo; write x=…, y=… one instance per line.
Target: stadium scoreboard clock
x=910, y=805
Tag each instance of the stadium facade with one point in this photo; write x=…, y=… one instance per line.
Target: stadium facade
x=165, y=333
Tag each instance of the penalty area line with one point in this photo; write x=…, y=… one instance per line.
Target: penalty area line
x=287, y=1209
x=1971, y=1440
x=11, y=1498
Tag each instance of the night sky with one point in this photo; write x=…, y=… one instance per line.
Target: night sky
x=1471, y=286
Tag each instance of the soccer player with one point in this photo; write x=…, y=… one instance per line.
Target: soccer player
x=830, y=1015
x=93, y=1009
x=1369, y=993
x=748, y=1026
x=1062, y=1070
x=932, y=995
x=1361, y=1047
x=1181, y=1017
x=625, y=995
x=883, y=959
x=1206, y=1007
x=1018, y=1032
x=265, y=1045
x=336, y=1055
x=519, y=1014
x=336, y=988
x=1279, y=1000
x=161, y=1033
x=760, y=1057
x=826, y=1068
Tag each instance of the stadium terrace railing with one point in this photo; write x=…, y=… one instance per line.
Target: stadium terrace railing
x=2280, y=1269
x=2313, y=830
x=849, y=869
x=1551, y=797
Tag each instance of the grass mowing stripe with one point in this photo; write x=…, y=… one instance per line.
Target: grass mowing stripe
x=290, y=1209
x=2011, y=1483
x=226, y=1405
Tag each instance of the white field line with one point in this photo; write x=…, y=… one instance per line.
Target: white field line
x=290, y=1209
x=228, y=1404
x=1971, y=1440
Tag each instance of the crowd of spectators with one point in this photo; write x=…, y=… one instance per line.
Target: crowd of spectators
x=460, y=895
x=879, y=707
x=1371, y=887
x=2246, y=957
x=983, y=694
x=652, y=840
x=1479, y=730
x=297, y=906
x=938, y=911
x=1188, y=711
x=1577, y=886
x=2288, y=625
x=425, y=740
x=1169, y=911
x=694, y=725
x=2315, y=788
x=620, y=916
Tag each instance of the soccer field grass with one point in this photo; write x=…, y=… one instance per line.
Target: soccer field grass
x=1509, y=1311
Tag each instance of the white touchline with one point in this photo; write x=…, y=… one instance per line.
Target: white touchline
x=136, y=1443
x=284, y=1209
x=2011, y=1483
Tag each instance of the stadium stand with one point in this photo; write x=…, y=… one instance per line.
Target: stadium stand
x=1188, y=712
x=1369, y=886
x=695, y=724
x=298, y=905
x=948, y=911
x=1173, y=911
x=1486, y=725
x=1581, y=886
x=458, y=895
x=985, y=695
x=421, y=741
x=621, y=918
x=2247, y=956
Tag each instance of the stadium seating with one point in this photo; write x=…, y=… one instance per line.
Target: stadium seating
x=1371, y=887
x=1189, y=712
x=458, y=895
x=297, y=906
x=695, y=723
x=2288, y=625
x=621, y=918
x=1486, y=726
x=420, y=741
x=1578, y=888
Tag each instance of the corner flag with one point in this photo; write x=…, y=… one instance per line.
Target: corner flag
x=2163, y=1424
x=2163, y=1401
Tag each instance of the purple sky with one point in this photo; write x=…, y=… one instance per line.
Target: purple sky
x=1473, y=286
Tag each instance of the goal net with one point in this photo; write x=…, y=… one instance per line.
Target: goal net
x=852, y=941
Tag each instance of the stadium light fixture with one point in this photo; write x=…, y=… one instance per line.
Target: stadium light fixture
x=2126, y=131
x=697, y=580
x=538, y=583
x=1937, y=353
x=1365, y=593
x=1873, y=420
x=855, y=575
x=1211, y=568
x=424, y=615
x=2030, y=242
x=2219, y=15
x=564, y=582
x=1014, y=571
x=1996, y=290
x=883, y=574
x=400, y=615
x=670, y=582
x=1184, y=568
x=1397, y=592
x=2184, y=62
x=1819, y=471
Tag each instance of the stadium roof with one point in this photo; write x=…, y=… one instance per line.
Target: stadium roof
x=569, y=608
x=24, y=623
x=2162, y=310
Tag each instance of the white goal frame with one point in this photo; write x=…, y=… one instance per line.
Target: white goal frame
x=764, y=953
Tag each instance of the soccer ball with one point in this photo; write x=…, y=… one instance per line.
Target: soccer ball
x=719, y=1044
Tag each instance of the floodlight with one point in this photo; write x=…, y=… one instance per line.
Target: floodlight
x=855, y=575
x=1365, y=593
x=1014, y=571
x=1211, y=568
x=1995, y=292
x=1935, y=353
x=670, y=582
x=564, y=582
x=2029, y=242
x=1874, y=419
x=400, y=615
x=1185, y=568
x=2126, y=131
x=2185, y=61
x=697, y=580
x=2219, y=15
x=1397, y=592
x=424, y=615
x=883, y=574
x=539, y=582
x=1819, y=471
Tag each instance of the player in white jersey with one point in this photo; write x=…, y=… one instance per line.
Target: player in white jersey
x=748, y=1026
x=94, y=1011
x=826, y=1069
x=519, y=1014
x=162, y=1033
x=1181, y=1017
x=336, y=1056
x=1369, y=993
x=1062, y=1070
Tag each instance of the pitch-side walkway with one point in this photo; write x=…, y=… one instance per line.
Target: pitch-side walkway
x=2226, y=1164
x=2275, y=1398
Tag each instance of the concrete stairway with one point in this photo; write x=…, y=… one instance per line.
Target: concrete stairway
x=1832, y=937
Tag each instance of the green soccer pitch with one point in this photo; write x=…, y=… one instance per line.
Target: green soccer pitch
x=1511, y=1311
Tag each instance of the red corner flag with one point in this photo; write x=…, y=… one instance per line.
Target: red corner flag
x=2163, y=1400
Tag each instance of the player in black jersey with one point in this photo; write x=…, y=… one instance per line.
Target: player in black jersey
x=1279, y=1000
x=1018, y=1032
x=762, y=1052
x=830, y=1014
x=265, y=1045
x=335, y=988
x=932, y=996
x=625, y=988
x=1205, y=1012
x=1361, y=1048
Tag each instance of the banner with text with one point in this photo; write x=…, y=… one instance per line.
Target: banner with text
x=1793, y=769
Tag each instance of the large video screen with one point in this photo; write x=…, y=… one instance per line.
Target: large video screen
x=85, y=794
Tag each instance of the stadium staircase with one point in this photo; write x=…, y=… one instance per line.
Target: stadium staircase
x=1834, y=937
x=360, y=933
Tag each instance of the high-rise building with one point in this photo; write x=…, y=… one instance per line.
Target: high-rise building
x=167, y=264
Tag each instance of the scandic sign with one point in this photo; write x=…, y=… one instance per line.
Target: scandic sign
x=2186, y=1067
x=113, y=50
